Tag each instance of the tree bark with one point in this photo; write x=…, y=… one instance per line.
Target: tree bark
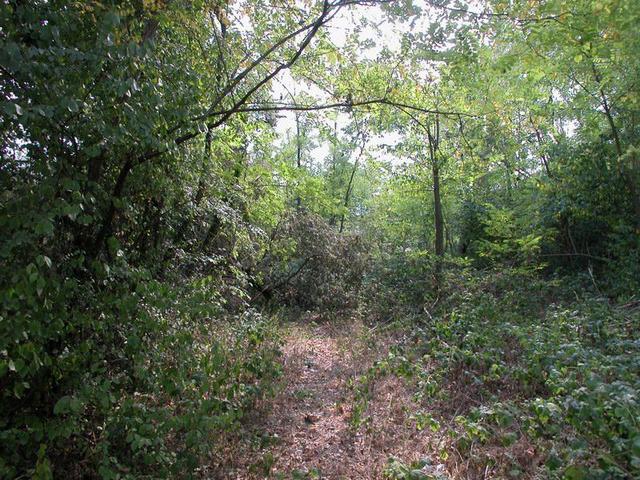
x=437, y=208
x=107, y=221
x=434, y=140
x=347, y=195
x=298, y=154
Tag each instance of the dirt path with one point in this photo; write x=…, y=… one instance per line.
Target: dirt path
x=307, y=432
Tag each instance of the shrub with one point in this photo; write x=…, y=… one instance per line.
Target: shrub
x=310, y=265
x=124, y=377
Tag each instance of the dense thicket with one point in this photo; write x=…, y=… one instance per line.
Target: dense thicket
x=153, y=219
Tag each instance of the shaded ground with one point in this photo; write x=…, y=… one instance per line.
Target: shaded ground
x=306, y=430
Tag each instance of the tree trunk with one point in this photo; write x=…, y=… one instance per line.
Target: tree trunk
x=347, y=195
x=434, y=139
x=107, y=220
x=298, y=154
x=437, y=208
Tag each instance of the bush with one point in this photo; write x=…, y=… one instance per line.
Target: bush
x=310, y=265
x=566, y=382
x=123, y=377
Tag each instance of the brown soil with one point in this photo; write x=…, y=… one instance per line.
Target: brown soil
x=306, y=432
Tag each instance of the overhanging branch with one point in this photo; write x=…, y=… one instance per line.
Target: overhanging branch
x=334, y=105
x=224, y=115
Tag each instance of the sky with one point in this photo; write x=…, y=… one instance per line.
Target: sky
x=338, y=31
x=387, y=36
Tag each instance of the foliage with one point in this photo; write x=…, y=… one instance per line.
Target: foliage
x=592, y=211
x=131, y=382
x=309, y=265
x=396, y=470
x=127, y=344
x=399, y=285
x=564, y=383
x=480, y=182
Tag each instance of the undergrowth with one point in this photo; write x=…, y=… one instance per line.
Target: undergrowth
x=519, y=377
x=140, y=386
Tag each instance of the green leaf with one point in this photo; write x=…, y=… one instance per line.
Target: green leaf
x=44, y=227
x=575, y=472
x=12, y=109
x=43, y=470
x=67, y=404
x=112, y=19
x=62, y=406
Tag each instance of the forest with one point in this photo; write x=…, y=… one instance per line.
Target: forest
x=320, y=239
